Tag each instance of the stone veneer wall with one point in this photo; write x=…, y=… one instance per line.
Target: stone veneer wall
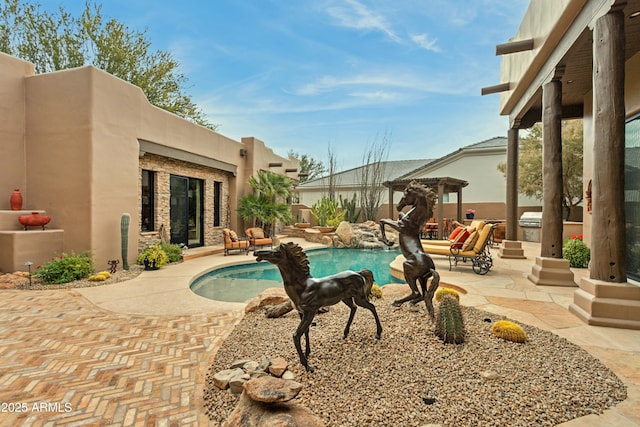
x=165, y=167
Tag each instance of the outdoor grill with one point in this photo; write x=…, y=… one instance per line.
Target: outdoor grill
x=530, y=222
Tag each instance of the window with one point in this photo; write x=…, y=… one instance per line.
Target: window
x=217, y=201
x=148, y=200
x=632, y=195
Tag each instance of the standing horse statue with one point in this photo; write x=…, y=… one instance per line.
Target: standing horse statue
x=309, y=294
x=418, y=266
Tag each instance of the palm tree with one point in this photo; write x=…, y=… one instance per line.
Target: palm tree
x=267, y=204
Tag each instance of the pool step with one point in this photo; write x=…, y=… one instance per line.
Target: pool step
x=194, y=253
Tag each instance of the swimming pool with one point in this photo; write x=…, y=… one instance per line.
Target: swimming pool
x=239, y=283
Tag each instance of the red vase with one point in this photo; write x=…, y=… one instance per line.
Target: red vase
x=16, y=200
x=34, y=220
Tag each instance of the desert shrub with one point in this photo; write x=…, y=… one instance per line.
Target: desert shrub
x=173, y=251
x=154, y=255
x=576, y=252
x=65, y=268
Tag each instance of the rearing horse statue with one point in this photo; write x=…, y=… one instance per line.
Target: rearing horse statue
x=418, y=266
x=309, y=294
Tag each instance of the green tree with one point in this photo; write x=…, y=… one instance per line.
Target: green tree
x=309, y=167
x=267, y=204
x=530, y=164
x=57, y=40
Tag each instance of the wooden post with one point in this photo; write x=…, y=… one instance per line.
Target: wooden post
x=512, y=185
x=608, y=248
x=440, y=210
x=391, y=200
x=551, y=242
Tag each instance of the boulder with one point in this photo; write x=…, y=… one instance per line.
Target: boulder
x=270, y=296
x=249, y=413
x=271, y=390
x=344, y=232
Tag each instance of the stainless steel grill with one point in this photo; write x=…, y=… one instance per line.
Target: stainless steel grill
x=531, y=219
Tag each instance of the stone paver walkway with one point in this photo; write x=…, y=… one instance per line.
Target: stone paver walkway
x=66, y=362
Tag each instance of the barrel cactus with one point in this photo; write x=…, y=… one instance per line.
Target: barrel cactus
x=449, y=322
x=124, y=239
x=444, y=292
x=509, y=331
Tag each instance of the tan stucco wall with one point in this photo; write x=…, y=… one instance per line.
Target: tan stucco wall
x=12, y=128
x=70, y=143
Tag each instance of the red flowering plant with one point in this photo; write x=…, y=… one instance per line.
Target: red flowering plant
x=576, y=251
x=65, y=268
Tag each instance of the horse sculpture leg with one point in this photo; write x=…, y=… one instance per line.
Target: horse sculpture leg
x=303, y=328
x=429, y=292
x=411, y=279
x=307, y=349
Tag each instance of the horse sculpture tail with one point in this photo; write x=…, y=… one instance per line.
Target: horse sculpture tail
x=368, y=280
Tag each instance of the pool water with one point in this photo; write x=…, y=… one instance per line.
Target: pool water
x=242, y=282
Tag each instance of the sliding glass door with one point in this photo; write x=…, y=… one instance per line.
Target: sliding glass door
x=187, y=211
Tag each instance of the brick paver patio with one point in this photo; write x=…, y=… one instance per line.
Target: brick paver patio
x=66, y=362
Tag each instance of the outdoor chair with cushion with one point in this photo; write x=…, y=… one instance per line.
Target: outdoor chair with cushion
x=234, y=243
x=456, y=234
x=257, y=238
x=475, y=248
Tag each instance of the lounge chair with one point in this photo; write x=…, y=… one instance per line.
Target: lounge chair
x=475, y=249
x=234, y=243
x=475, y=225
x=257, y=238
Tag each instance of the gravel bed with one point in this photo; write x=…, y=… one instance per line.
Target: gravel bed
x=119, y=276
x=410, y=378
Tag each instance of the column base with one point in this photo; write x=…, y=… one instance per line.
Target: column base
x=551, y=272
x=614, y=305
x=511, y=249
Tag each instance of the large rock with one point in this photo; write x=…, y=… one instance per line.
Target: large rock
x=270, y=296
x=344, y=232
x=278, y=366
x=255, y=414
x=221, y=379
x=271, y=390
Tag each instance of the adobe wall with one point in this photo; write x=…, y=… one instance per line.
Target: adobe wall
x=12, y=127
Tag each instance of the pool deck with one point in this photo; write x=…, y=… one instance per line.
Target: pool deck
x=136, y=352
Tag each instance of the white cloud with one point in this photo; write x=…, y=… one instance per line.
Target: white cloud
x=424, y=42
x=353, y=14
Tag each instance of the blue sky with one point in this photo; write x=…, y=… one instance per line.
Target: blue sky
x=307, y=75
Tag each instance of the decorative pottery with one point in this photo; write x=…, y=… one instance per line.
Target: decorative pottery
x=470, y=215
x=325, y=229
x=34, y=220
x=302, y=225
x=16, y=200
x=150, y=265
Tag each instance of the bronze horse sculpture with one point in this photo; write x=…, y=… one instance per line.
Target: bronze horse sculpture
x=418, y=266
x=309, y=294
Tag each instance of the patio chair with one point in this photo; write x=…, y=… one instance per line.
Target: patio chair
x=257, y=238
x=455, y=234
x=234, y=243
x=475, y=248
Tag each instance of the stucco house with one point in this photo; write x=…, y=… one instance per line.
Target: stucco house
x=581, y=59
x=85, y=147
x=476, y=164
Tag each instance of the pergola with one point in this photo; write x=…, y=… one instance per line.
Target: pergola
x=445, y=185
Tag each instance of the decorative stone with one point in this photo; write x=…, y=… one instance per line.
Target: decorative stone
x=221, y=379
x=278, y=366
x=345, y=233
x=288, y=375
x=236, y=383
x=270, y=296
x=269, y=389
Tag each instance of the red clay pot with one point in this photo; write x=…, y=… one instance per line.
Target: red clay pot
x=16, y=200
x=34, y=220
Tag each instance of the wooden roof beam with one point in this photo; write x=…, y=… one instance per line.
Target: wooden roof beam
x=513, y=47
